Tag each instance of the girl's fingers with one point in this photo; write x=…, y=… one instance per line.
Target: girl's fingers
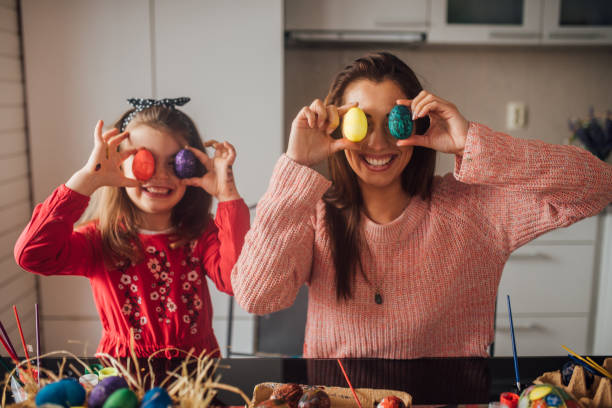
x=114, y=141
x=98, y=132
x=194, y=181
x=203, y=157
x=128, y=182
x=207, y=143
x=109, y=134
x=123, y=155
x=319, y=109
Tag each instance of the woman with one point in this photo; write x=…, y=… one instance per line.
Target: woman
x=402, y=264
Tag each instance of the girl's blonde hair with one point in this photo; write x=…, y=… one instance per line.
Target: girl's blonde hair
x=116, y=216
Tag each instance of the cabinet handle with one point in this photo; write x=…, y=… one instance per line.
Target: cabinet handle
x=504, y=35
x=399, y=23
x=520, y=326
x=537, y=256
x=576, y=36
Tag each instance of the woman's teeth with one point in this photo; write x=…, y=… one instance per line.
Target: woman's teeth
x=378, y=161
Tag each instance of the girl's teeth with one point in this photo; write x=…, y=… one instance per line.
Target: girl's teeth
x=157, y=190
x=377, y=162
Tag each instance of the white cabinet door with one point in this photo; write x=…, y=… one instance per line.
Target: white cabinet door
x=82, y=60
x=573, y=22
x=453, y=22
x=228, y=57
x=356, y=15
x=548, y=279
x=542, y=336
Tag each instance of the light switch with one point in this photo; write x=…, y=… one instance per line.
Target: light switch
x=516, y=115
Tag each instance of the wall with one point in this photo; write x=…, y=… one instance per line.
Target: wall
x=16, y=287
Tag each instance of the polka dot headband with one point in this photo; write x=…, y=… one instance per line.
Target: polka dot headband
x=141, y=104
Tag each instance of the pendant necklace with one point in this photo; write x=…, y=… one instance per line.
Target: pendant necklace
x=378, y=298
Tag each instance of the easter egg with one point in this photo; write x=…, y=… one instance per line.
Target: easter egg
x=143, y=165
x=156, y=398
x=314, y=399
x=400, y=122
x=104, y=389
x=122, y=398
x=391, y=402
x=543, y=396
x=66, y=393
x=354, y=125
x=186, y=164
x=107, y=372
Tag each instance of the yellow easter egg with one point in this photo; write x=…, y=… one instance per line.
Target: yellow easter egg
x=354, y=125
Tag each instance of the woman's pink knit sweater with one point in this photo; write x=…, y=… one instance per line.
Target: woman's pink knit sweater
x=437, y=266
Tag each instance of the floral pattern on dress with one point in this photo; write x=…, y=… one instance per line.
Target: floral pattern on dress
x=158, y=264
x=191, y=287
x=132, y=305
x=160, y=293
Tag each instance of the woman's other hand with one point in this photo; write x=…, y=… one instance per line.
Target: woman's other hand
x=310, y=141
x=448, y=128
x=218, y=180
x=103, y=167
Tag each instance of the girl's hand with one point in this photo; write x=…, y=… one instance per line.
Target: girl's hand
x=310, y=141
x=103, y=167
x=448, y=129
x=219, y=178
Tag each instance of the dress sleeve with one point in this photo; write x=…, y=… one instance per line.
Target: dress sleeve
x=277, y=256
x=223, y=242
x=524, y=188
x=49, y=245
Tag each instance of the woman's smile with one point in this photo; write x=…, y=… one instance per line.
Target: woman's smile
x=378, y=162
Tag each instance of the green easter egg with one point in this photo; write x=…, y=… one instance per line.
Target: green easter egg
x=400, y=122
x=122, y=398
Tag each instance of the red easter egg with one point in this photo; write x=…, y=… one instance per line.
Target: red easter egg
x=391, y=401
x=143, y=165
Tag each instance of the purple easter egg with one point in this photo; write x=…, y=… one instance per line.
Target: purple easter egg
x=104, y=389
x=186, y=164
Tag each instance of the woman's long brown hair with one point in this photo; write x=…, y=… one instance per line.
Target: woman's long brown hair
x=117, y=217
x=343, y=201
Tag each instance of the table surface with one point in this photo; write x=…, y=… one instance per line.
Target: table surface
x=430, y=381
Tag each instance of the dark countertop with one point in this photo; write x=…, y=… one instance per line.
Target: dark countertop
x=429, y=380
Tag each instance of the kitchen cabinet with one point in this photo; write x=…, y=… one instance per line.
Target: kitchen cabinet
x=481, y=22
x=550, y=283
x=357, y=20
x=356, y=15
x=579, y=22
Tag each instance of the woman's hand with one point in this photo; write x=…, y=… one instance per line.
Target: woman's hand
x=448, y=128
x=219, y=178
x=103, y=167
x=310, y=141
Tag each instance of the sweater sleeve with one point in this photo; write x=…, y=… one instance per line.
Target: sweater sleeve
x=531, y=187
x=277, y=255
x=49, y=245
x=223, y=242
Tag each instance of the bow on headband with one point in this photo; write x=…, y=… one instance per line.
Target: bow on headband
x=141, y=104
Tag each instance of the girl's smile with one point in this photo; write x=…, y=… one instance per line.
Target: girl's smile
x=156, y=197
x=378, y=162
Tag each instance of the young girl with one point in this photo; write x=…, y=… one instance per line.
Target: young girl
x=151, y=245
x=401, y=264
